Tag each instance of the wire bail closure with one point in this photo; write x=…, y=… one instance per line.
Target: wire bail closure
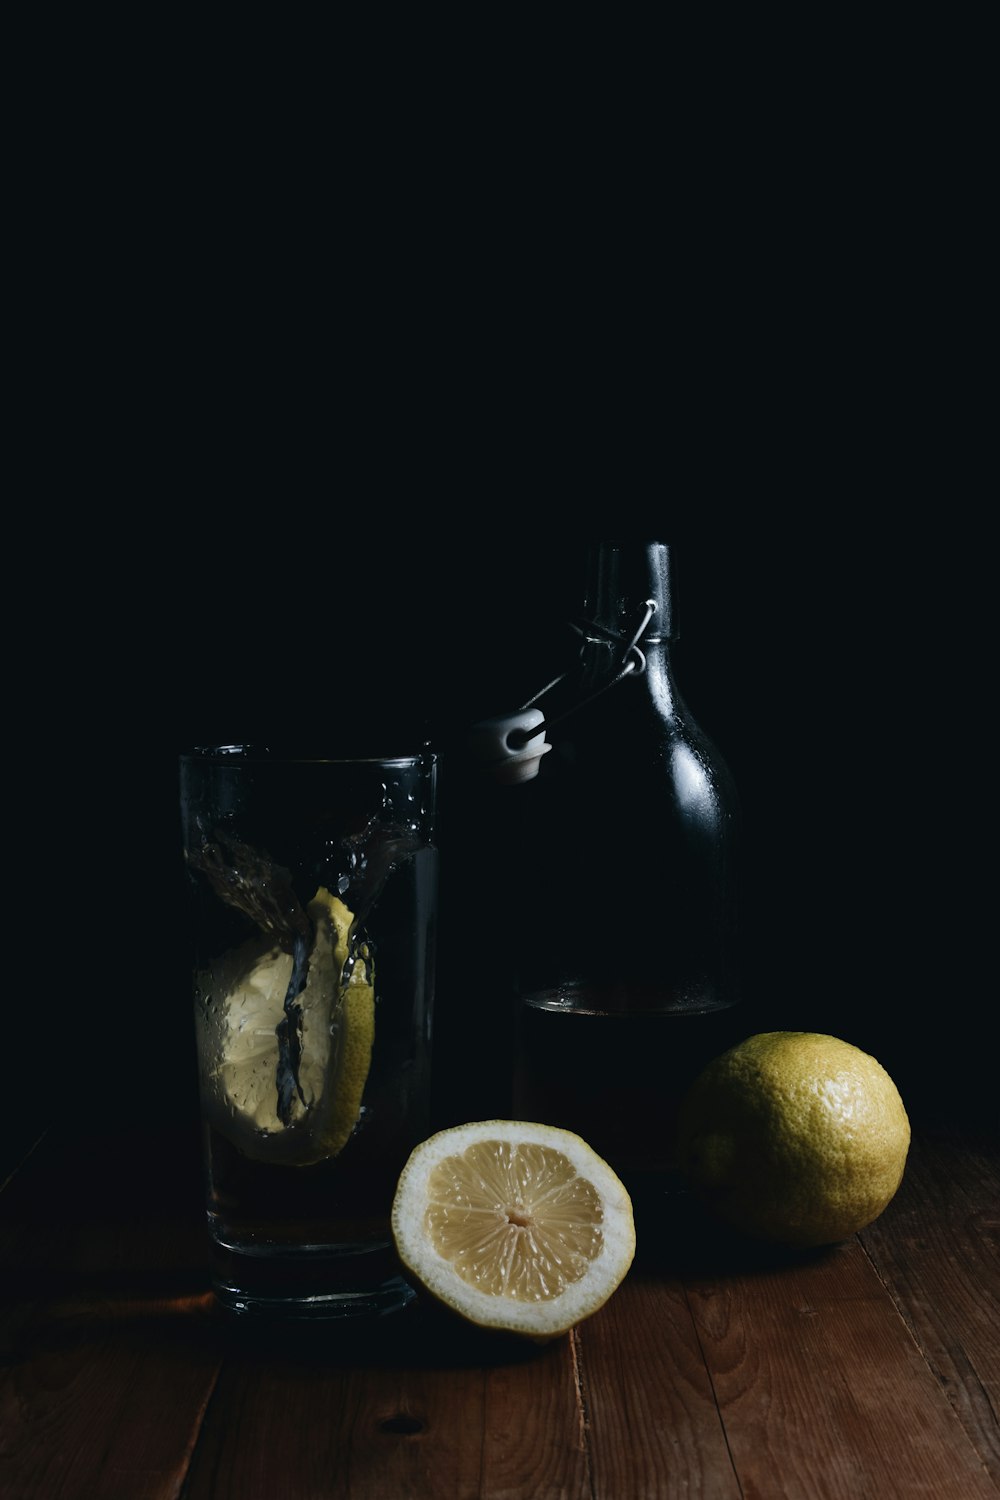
x=512, y=745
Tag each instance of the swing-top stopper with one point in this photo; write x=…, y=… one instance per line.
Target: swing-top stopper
x=505, y=746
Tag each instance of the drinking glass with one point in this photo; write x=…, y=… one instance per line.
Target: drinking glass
x=314, y=899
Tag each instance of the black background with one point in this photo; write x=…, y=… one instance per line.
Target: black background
x=295, y=406
x=840, y=670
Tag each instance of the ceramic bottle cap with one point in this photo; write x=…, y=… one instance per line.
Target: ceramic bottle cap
x=490, y=744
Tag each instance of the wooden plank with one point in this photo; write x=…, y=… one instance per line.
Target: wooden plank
x=418, y=1406
x=535, y=1434
x=104, y=1403
x=106, y=1330
x=819, y=1382
x=653, y=1427
x=937, y=1249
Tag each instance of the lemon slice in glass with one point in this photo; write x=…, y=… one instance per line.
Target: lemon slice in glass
x=513, y=1225
x=241, y=1008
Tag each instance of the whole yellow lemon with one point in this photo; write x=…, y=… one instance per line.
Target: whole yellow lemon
x=794, y=1137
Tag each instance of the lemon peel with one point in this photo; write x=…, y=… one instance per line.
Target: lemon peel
x=795, y=1137
x=355, y=1023
x=513, y=1225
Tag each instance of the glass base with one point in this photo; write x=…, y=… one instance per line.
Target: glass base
x=311, y=1282
x=391, y=1296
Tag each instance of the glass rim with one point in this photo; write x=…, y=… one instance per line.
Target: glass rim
x=251, y=753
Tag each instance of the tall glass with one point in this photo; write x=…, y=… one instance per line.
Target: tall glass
x=314, y=899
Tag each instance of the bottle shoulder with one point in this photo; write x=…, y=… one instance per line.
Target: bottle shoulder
x=646, y=720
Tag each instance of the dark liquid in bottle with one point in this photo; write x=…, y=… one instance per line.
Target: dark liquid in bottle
x=615, y=1079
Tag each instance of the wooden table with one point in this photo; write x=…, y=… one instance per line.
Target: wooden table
x=868, y=1370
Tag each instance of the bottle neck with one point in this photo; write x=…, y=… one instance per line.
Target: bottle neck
x=624, y=580
x=629, y=619
x=659, y=679
x=651, y=676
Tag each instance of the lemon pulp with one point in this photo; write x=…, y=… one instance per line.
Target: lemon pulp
x=514, y=1220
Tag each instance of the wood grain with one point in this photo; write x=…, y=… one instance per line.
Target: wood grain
x=106, y=1329
x=102, y=1415
x=653, y=1426
x=818, y=1380
x=937, y=1250
x=419, y=1407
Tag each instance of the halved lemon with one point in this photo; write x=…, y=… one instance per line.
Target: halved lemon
x=241, y=1005
x=513, y=1225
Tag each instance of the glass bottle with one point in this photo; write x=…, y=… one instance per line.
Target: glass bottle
x=624, y=890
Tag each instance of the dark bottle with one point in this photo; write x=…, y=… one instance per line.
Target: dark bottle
x=624, y=901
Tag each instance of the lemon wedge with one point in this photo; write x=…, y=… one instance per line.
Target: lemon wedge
x=513, y=1225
